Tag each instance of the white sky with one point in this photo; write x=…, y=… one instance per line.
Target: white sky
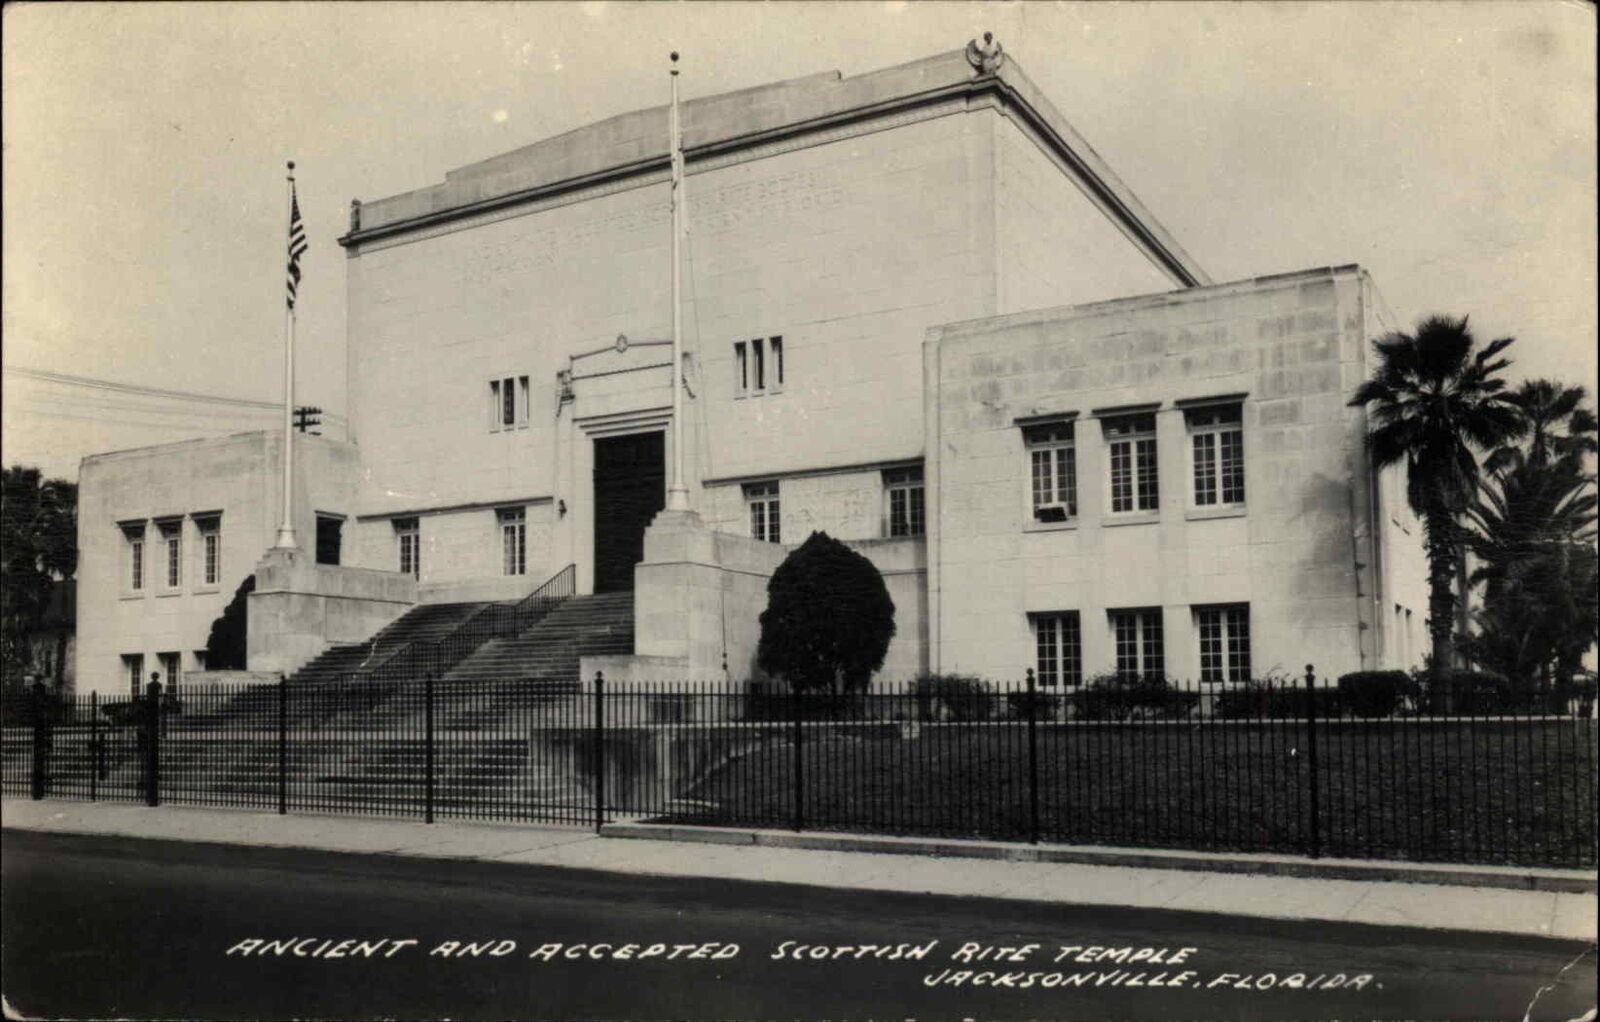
x=1449, y=148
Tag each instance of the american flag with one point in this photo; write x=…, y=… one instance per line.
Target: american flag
x=297, y=242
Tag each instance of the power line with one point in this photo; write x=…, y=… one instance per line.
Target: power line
x=129, y=388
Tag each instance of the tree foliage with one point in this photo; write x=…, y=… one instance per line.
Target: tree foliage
x=227, y=647
x=828, y=620
x=38, y=545
x=1533, y=534
x=1432, y=403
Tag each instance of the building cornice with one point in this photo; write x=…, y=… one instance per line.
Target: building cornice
x=1009, y=90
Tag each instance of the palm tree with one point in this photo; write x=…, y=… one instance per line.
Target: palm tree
x=1431, y=402
x=1533, y=534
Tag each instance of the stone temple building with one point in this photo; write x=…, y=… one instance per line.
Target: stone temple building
x=920, y=313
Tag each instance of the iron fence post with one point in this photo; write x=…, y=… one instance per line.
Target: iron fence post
x=283, y=744
x=1311, y=757
x=39, y=779
x=152, y=743
x=97, y=750
x=427, y=748
x=1033, y=762
x=599, y=750
x=799, y=763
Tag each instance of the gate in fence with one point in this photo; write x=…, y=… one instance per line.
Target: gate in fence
x=1275, y=768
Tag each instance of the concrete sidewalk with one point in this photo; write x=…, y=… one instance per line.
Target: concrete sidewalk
x=983, y=869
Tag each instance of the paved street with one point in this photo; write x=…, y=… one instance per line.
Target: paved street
x=102, y=926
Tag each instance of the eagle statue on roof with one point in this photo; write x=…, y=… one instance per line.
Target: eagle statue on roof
x=986, y=59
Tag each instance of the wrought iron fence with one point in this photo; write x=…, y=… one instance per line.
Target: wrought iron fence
x=1283, y=767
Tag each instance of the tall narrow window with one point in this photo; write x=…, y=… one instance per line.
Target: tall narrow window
x=758, y=366
x=762, y=499
x=508, y=403
x=1131, y=444
x=171, y=670
x=133, y=535
x=905, y=513
x=133, y=670
x=1053, y=469
x=1224, y=642
x=1136, y=635
x=1058, y=646
x=1216, y=444
x=513, y=540
x=172, y=547
x=330, y=539
x=210, y=529
x=408, y=538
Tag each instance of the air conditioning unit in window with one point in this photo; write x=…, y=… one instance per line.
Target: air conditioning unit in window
x=1052, y=512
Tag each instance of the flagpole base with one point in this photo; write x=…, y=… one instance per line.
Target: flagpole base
x=286, y=540
x=678, y=498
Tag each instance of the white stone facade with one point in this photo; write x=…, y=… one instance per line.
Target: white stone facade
x=504, y=322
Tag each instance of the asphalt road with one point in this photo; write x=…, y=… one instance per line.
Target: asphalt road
x=112, y=927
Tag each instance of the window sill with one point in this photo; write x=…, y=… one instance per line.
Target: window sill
x=168, y=592
x=132, y=595
x=203, y=590
x=1037, y=526
x=1131, y=518
x=1200, y=514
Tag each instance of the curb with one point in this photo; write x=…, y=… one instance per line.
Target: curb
x=1560, y=881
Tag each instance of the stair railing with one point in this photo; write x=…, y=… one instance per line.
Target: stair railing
x=492, y=622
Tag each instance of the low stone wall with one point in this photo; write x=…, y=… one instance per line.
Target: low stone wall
x=300, y=608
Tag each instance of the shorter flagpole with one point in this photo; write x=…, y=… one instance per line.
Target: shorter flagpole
x=286, y=537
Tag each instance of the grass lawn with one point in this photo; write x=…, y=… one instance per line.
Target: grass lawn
x=1516, y=791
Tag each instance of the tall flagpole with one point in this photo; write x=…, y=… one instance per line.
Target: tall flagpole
x=297, y=245
x=678, y=493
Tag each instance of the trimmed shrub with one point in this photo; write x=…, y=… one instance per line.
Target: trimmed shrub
x=829, y=618
x=1373, y=693
x=1041, y=705
x=1477, y=693
x=1113, y=697
x=1275, y=700
x=952, y=697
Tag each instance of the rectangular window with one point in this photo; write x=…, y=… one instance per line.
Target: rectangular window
x=1224, y=642
x=1131, y=443
x=903, y=490
x=513, y=540
x=133, y=670
x=508, y=403
x=1216, y=438
x=172, y=545
x=1053, y=469
x=210, y=529
x=330, y=539
x=1058, y=647
x=134, y=536
x=408, y=537
x=1136, y=635
x=171, y=670
x=762, y=499
x=758, y=366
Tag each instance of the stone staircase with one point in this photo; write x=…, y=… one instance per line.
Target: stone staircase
x=509, y=723
x=534, y=670
x=418, y=626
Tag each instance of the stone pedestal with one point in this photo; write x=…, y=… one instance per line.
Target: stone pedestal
x=698, y=595
x=300, y=608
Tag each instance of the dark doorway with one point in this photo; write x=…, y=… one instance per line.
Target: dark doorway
x=629, y=488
